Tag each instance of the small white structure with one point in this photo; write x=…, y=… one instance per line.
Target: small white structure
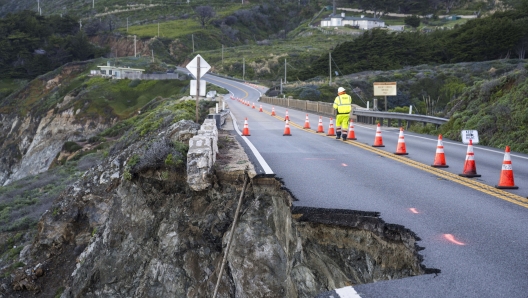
x=398, y=28
x=342, y=20
x=115, y=72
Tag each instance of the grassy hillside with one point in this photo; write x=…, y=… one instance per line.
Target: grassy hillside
x=497, y=108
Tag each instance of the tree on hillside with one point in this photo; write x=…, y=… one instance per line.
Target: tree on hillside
x=450, y=4
x=413, y=21
x=515, y=4
x=522, y=44
x=204, y=14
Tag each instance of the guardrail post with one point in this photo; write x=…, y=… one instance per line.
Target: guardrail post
x=389, y=122
x=399, y=123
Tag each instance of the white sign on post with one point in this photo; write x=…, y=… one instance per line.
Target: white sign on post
x=385, y=89
x=193, y=66
x=202, y=87
x=470, y=135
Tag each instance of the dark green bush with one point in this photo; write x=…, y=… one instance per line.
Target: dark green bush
x=71, y=147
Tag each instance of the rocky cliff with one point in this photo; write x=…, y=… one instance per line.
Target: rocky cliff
x=132, y=227
x=36, y=121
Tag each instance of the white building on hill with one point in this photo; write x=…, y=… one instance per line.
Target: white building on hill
x=119, y=72
x=342, y=20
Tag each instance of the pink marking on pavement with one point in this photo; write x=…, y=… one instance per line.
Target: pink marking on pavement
x=452, y=239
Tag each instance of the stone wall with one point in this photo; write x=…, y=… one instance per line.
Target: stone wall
x=203, y=149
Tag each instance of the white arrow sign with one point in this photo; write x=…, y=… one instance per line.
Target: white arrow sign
x=193, y=66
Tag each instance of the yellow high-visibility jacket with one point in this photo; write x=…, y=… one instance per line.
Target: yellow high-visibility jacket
x=343, y=104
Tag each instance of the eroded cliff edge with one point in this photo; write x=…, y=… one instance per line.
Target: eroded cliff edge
x=132, y=227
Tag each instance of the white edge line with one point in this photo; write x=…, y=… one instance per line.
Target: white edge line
x=347, y=292
x=259, y=157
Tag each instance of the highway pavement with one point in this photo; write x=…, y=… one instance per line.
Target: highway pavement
x=476, y=235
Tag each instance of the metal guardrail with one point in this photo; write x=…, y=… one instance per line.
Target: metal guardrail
x=400, y=116
x=318, y=107
x=361, y=114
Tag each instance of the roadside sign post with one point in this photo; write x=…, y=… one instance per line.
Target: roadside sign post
x=198, y=67
x=197, y=88
x=469, y=135
x=385, y=89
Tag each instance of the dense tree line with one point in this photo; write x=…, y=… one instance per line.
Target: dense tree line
x=502, y=35
x=31, y=45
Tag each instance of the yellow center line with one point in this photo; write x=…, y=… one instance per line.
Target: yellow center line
x=474, y=184
x=247, y=94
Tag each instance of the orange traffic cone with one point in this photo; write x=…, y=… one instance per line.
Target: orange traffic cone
x=272, y=111
x=286, y=117
x=331, y=131
x=351, y=133
x=400, y=148
x=245, y=132
x=287, y=129
x=320, y=128
x=378, y=140
x=439, y=161
x=470, y=168
x=253, y=106
x=506, y=177
x=306, y=123
x=260, y=109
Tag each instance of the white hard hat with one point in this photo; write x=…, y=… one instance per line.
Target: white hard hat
x=340, y=89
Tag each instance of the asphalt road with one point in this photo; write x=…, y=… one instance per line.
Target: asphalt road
x=487, y=255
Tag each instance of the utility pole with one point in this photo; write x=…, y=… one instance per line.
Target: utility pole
x=158, y=29
x=281, y=87
x=135, y=47
x=285, y=77
x=152, y=56
x=243, y=69
x=127, y=24
x=192, y=36
x=330, y=67
x=222, y=54
x=38, y=6
x=93, y=4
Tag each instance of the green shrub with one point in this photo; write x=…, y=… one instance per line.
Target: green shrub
x=71, y=147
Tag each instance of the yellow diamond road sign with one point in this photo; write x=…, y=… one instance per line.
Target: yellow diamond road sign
x=193, y=66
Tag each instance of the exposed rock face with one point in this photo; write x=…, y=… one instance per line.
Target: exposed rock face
x=29, y=143
x=152, y=236
x=51, y=133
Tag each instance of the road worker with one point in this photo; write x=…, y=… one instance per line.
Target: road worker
x=343, y=106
